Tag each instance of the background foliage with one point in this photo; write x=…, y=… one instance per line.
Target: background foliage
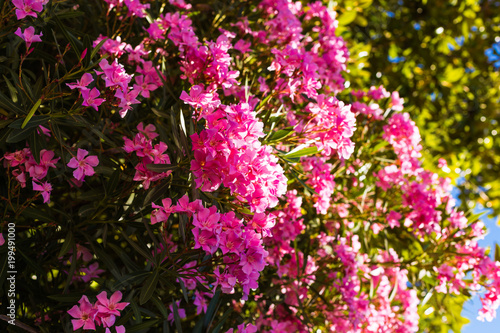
x=433, y=53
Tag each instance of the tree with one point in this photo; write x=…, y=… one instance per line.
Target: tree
x=202, y=167
x=433, y=53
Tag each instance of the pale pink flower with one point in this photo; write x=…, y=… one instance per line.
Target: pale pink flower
x=82, y=84
x=45, y=188
x=28, y=35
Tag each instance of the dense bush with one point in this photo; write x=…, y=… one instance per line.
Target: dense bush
x=204, y=167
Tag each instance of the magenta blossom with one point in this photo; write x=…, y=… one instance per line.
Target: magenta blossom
x=84, y=315
x=84, y=165
x=28, y=35
x=45, y=188
x=92, y=272
x=111, y=305
x=90, y=98
x=82, y=84
x=119, y=329
x=28, y=7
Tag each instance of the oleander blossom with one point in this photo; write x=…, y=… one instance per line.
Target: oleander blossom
x=84, y=165
x=29, y=36
x=28, y=7
x=102, y=313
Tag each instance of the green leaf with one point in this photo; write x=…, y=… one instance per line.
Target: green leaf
x=157, y=192
x=149, y=287
x=12, y=90
x=107, y=260
x=222, y=320
x=130, y=279
x=112, y=183
x=454, y=74
x=35, y=122
x=280, y=135
x=8, y=105
x=143, y=326
x=36, y=143
x=37, y=213
x=302, y=152
x=379, y=146
x=160, y=306
x=184, y=291
x=347, y=17
x=68, y=298
x=19, y=135
x=31, y=113
x=75, y=43
x=86, y=210
x=212, y=306
x=177, y=318
x=67, y=245
x=497, y=252
x=136, y=246
x=97, y=48
x=161, y=167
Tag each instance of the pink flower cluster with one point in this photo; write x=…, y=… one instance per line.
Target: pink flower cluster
x=240, y=241
x=321, y=180
x=307, y=64
x=117, y=80
x=28, y=8
x=331, y=127
x=229, y=152
x=404, y=136
x=133, y=7
x=102, y=313
x=89, y=95
x=142, y=145
x=23, y=163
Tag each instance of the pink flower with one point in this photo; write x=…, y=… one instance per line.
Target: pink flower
x=92, y=272
x=84, y=315
x=198, y=98
x=205, y=239
x=84, y=165
x=44, y=130
x=2, y=240
x=119, y=329
x=242, y=46
x=45, y=188
x=28, y=7
x=396, y=101
x=161, y=213
x=200, y=302
x=28, y=35
x=82, y=84
x=39, y=170
x=181, y=312
x=111, y=306
x=144, y=85
x=393, y=219
x=90, y=98
x=114, y=74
